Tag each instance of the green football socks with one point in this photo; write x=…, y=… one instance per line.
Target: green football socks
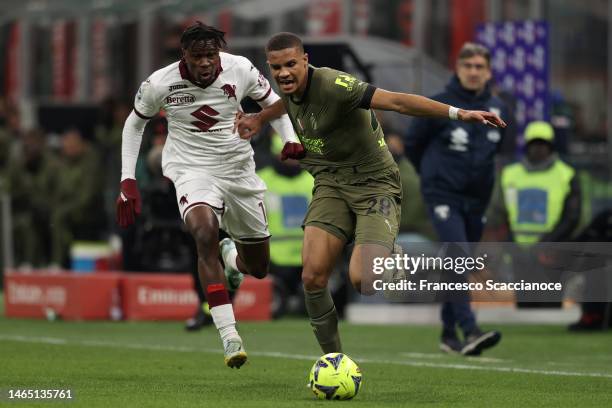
x=323, y=319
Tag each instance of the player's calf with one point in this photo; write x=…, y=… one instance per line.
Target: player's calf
x=361, y=268
x=258, y=268
x=254, y=258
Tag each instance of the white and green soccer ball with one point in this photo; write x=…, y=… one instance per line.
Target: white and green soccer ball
x=335, y=377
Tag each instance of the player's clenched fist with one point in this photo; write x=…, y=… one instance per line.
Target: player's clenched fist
x=247, y=125
x=129, y=203
x=293, y=150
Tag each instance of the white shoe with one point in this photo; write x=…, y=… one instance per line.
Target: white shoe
x=235, y=355
x=234, y=277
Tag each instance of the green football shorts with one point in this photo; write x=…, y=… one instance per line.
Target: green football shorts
x=365, y=208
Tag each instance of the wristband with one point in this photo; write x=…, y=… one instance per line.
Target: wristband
x=453, y=113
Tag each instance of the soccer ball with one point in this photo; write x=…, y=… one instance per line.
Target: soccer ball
x=335, y=377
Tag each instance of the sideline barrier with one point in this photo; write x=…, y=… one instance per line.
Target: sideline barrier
x=118, y=295
x=60, y=295
x=157, y=297
x=253, y=301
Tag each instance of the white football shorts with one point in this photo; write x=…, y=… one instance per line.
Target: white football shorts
x=236, y=197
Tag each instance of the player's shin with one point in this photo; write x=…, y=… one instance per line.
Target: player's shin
x=221, y=311
x=323, y=319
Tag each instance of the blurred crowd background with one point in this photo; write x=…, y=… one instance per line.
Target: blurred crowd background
x=70, y=69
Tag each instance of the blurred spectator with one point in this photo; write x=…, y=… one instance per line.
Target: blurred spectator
x=77, y=212
x=508, y=147
x=456, y=162
x=10, y=129
x=595, y=315
x=541, y=194
x=5, y=145
x=162, y=243
x=414, y=213
x=286, y=201
x=108, y=140
x=32, y=179
x=541, y=203
x=563, y=122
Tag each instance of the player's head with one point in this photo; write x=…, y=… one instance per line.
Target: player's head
x=288, y=62
x=474, y=66
x=200, y=45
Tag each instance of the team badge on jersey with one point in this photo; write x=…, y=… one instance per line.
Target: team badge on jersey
x=261, y=80
x=229, y=91
x=146, y=84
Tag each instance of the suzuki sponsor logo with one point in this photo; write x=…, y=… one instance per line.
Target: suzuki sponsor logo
x=180, y=99
x=148, y=296
x=36, y=294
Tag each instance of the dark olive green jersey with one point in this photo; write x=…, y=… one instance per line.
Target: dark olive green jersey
x=335, y=124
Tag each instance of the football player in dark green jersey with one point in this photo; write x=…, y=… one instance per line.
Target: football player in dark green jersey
x=357, y=191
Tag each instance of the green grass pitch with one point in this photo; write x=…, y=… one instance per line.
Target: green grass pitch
x=159, y=365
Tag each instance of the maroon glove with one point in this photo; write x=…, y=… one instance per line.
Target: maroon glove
x=128, y=203
x=293, y=150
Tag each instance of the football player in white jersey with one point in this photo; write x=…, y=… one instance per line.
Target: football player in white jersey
x=211, y=167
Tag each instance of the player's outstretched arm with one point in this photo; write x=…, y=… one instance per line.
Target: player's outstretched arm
x=249, y=125
x=416, y=105
x=129, y=202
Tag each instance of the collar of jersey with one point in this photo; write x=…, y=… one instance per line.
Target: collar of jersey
x=186, y=75
x=309, y=80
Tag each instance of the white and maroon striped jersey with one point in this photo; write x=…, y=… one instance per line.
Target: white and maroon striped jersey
x=201, y=120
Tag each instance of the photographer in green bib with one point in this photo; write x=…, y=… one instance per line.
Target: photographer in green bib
x=286, y=201
x=541, y=193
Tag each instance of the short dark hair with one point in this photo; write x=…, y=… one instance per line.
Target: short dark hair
x=470, y=49
x=282, y=41
x=202, y=32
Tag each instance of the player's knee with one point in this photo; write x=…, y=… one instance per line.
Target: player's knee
x=313, y=278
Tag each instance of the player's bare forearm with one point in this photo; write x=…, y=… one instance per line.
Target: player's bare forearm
x=274, y=111
x=417, y=105
x=408, y=104
x=249, y=125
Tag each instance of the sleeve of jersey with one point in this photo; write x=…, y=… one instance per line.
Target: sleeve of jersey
x=258, y=87
x=146, y=102
x=130, y=144
x=351, y=92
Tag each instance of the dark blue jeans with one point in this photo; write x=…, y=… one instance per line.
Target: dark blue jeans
x=454, y=224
